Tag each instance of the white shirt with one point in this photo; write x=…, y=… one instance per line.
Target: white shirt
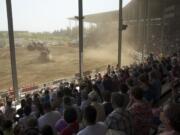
x=49, y=118
x=97, y=129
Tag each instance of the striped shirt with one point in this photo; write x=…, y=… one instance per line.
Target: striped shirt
x=120, y=120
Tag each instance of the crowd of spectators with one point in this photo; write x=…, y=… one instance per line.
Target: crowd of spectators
x=122, y=101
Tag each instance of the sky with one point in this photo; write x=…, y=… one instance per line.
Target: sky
x=50, y=15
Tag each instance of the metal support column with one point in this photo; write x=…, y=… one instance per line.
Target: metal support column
x=144, y=29
x=147, y=25
x=162, y=28
x=137, y=26
x=80, y=3
x=120, y=33
x=12, y=48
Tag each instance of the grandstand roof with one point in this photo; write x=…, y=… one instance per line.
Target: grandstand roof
x=102, y=17
x=129, y=12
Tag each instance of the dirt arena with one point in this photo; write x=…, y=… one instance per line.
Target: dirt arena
x=64, y=63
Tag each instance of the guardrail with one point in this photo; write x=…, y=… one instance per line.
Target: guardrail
x=32, y=88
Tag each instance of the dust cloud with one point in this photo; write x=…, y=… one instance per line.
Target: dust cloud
x=108, y=53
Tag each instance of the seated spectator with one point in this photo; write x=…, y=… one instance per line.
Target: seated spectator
x=171, y=119
x=49, y=118
x=93, y=96
x=141, y=111
x=70, y=116
x=92, y=128
x=47, y=130
x=119, y=119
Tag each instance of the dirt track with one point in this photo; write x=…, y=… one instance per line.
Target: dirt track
x=64, y=64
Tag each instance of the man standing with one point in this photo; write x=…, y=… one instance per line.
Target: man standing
x=92, y=128
x=119, y=119
x=49, y=118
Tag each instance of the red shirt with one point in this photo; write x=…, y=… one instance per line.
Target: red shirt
x=70, y=129
x=142, y=116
